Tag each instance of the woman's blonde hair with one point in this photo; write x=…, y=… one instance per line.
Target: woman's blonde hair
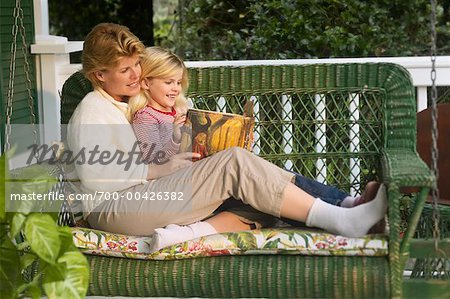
x=159, y=62
x=104, y=46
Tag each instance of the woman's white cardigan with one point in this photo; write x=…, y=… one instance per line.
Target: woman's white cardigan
x=98, y=130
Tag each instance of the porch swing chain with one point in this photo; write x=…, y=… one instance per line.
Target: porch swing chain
x=18, y=27
x=434, y=130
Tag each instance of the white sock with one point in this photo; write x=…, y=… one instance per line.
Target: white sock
x=352, y=222
x=173, y=234
x=349, y=201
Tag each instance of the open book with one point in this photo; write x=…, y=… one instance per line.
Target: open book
x=208, y=132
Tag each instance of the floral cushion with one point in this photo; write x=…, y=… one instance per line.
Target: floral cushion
x=261, y=241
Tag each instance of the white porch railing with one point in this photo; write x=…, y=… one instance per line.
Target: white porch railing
x=419, y=67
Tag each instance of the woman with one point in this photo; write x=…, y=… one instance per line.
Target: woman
x=132, y=197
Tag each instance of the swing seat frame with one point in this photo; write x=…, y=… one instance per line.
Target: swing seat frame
x=344, y=123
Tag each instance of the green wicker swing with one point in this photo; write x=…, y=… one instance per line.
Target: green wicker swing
x=387, y=114
x=316, y=105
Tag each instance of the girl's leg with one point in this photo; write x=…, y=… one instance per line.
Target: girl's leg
x=333, y=195
x=316, y=189
x=229, y=222
x=353, y=222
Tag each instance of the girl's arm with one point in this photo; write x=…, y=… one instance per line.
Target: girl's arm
x=155, y=138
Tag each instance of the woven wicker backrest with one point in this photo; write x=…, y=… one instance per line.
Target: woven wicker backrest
x=326, y=121
x=329, y=122
x=73, y=91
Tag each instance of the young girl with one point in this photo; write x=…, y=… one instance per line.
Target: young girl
x=160, y=110
x=158, y=113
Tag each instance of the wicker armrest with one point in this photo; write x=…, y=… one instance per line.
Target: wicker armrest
x=404, y=168
x=400, y=169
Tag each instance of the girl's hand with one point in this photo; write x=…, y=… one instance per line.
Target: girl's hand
x=178, y=122
x=175, y=163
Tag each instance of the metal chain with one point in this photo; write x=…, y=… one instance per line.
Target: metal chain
x=434, y=129
x=19, y=27
x=26, y=66
x=12, y=71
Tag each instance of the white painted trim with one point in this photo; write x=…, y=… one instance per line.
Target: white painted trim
x=52, y=52
x=355, y=142
x=65, y=48
x=321, y=137
x=287, y=129
x=41, y=20
x=51, y=44
x=257, y=131
x=422, y=98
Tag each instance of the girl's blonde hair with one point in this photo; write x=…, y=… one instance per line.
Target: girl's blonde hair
x=159, y=62
x=104, y=46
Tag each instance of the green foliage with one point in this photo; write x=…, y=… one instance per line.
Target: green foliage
x=74, y=19
x=63, y=271
x=164, y=19
x=269, y=29
x=277, y=29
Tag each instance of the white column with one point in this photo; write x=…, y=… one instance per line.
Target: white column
x=221, y=105
x=422, y=98
x=41, y=23
x=355, y=167
x=52, y=53
x=257, y=131
x=321, y=138
x=286, y=115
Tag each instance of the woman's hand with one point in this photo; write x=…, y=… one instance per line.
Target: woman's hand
x=178, y=122
x=175, y=163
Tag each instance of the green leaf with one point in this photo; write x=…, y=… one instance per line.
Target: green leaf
x=65, y=234
x=27, y=259
x=30, y=289
x=34, y=179
x=26, y=186
x=34, y=291
x=9, y=269
x=69, y=281
x=16, y=224
x=23, y=246
x=42, y=234
x=41, y=182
